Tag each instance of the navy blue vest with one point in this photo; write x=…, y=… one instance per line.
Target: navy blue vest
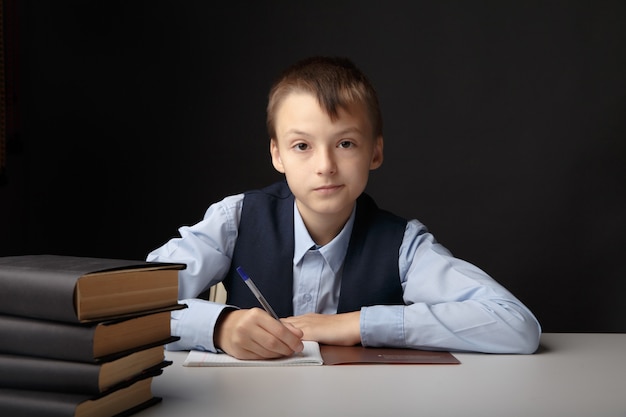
x=265, y=246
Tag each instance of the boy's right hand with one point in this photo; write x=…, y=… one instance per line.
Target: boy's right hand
x=254, y=334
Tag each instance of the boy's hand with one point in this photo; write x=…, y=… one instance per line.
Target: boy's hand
x=331, y=329
x=254, y=334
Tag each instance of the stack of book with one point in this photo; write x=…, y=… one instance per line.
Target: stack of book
x=82, y=336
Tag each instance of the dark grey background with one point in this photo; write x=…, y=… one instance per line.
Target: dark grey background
x=505, y=129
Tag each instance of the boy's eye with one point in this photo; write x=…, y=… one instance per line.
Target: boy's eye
x=301, y=146
x=346, y=144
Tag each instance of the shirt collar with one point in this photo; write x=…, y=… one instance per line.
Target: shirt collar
x=333, y=252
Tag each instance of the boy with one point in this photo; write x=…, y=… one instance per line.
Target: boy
x=334, y=267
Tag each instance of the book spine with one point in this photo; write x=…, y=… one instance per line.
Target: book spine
x=38, y=374
x=25, y=403
x=126, y=400
x=37, y=294
x=48, y=339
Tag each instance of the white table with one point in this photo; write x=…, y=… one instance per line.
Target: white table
x=572, y=375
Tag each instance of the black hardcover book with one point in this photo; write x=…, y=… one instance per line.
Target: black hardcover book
x=124, y=401
x=39, y=374
x=80, y=289
x=91, y=342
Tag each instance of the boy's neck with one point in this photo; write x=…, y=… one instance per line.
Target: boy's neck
x=324, y=228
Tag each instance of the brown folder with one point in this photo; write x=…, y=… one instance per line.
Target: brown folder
x=359, y=355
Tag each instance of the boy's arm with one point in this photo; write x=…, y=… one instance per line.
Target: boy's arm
x=331, y=329
x=450, y=304
x=195, y=325
x=206, y=248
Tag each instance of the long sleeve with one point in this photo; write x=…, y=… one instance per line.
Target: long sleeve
x=206, y=248
x=449, y=304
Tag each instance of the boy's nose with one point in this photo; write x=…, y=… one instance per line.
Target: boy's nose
x=326, y=162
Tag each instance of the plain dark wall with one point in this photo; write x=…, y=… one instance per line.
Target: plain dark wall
x=505, y=129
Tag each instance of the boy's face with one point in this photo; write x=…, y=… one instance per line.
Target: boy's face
x=326, y=163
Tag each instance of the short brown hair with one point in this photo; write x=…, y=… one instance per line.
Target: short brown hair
x=335, y=81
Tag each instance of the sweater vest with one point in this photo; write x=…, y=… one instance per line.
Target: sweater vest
x=265, y=247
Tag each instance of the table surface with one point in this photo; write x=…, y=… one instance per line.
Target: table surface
x=571, y=375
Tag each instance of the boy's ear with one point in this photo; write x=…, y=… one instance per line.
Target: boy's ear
x=377, y=155
x=276, y=161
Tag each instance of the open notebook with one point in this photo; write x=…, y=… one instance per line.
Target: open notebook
x=309, y=356
x=314, y=354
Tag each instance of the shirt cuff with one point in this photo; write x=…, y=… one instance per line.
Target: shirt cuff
x=382, y=325
x=195, y=325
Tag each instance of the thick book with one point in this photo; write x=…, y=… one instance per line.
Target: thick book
x=124, y=401
x=316, y=354
x=81, y=289
x=30, y=373
x=90, y=342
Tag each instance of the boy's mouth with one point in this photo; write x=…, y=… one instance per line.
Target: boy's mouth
x=326, y=189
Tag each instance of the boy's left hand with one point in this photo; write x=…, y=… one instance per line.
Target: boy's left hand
x=331, y=329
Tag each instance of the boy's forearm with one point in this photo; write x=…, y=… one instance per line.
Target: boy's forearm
x=194, y=325
x=332, y=329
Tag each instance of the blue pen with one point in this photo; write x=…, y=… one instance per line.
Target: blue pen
x=256, y=292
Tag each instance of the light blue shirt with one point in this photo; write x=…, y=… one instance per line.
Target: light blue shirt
x=450, y=304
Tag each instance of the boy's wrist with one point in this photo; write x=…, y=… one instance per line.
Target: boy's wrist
x=217, y=331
